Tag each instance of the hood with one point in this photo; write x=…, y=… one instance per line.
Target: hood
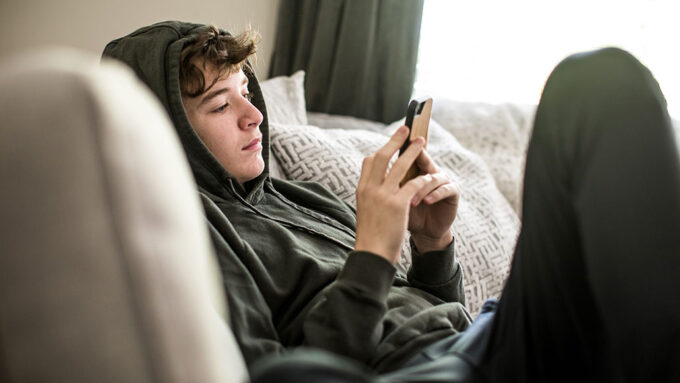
x=153, y=52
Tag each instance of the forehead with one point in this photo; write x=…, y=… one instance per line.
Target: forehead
x=213, y=73
x=235, y=78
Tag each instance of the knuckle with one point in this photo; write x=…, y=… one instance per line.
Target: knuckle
x=382, y=155
x=422, y=179
x=453, y=191
x=441, y=177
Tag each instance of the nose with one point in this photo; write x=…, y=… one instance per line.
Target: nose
x=251, y=117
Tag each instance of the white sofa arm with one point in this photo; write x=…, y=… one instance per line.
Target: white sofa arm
x=106, y=269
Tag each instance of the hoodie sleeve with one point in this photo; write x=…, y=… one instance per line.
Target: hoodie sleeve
x=348, y=318
x=438, y=273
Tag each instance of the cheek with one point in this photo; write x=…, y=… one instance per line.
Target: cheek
x=215, y=137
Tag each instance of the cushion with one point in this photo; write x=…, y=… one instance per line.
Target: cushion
x=499, y=133
x=107, y=272
x=485, y=229
x=285, y=99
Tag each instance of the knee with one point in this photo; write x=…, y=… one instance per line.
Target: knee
x=605, y=65
x=611, y=56
x=603, y=74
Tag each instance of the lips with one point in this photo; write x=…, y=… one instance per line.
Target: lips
x=255, y=144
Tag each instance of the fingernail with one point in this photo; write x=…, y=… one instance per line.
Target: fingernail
x=419, y=141
x=402, y=130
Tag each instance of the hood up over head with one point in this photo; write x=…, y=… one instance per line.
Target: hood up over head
x=154, y=52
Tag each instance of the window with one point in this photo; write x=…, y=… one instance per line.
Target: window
x=503, y=50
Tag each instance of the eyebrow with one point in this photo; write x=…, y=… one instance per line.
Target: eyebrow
x=218, y=92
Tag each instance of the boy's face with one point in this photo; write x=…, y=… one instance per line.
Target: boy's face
x=229, y=124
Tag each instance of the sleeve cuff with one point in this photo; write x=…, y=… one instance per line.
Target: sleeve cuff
x=368, y=272
x=433, y=267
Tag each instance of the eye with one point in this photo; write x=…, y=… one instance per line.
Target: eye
x=221, y=108
x=248, y=96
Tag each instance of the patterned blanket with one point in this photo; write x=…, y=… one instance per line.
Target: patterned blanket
x=487, y=223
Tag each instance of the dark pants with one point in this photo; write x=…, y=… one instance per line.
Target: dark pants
x=594, y=289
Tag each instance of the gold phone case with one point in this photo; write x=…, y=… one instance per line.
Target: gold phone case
x=418, y=115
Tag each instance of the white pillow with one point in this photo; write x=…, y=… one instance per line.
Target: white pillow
x=486, y=227
x=285, y=99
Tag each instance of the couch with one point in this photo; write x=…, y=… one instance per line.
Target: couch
x=106, y=268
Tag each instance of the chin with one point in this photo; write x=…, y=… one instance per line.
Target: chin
x=256, y=171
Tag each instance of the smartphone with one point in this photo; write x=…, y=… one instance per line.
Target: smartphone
x=417, y=121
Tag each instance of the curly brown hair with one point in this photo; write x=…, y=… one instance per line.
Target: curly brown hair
x=224, y=51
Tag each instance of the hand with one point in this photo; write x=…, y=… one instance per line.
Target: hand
x=434, y=208
x=382, y=205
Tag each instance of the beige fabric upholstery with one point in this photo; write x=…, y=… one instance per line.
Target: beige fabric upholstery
x=106, y=272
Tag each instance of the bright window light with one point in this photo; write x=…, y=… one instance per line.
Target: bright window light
x=503, y=51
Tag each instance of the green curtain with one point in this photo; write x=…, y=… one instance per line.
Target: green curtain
x=359, y=55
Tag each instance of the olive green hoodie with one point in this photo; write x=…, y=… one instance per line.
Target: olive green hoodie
x=286, y=248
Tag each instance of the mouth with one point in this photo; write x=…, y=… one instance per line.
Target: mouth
x=255, y=144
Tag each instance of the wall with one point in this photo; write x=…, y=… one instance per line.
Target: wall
x=90, y=24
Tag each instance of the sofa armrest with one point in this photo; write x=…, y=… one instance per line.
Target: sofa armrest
x=106, y=271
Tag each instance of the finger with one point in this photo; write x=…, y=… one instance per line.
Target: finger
x=382, y=157
x=404, y=162
x=409, y=189
x=425, y=163
x=449, y=191
x=364, y=176
x=435, y=181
